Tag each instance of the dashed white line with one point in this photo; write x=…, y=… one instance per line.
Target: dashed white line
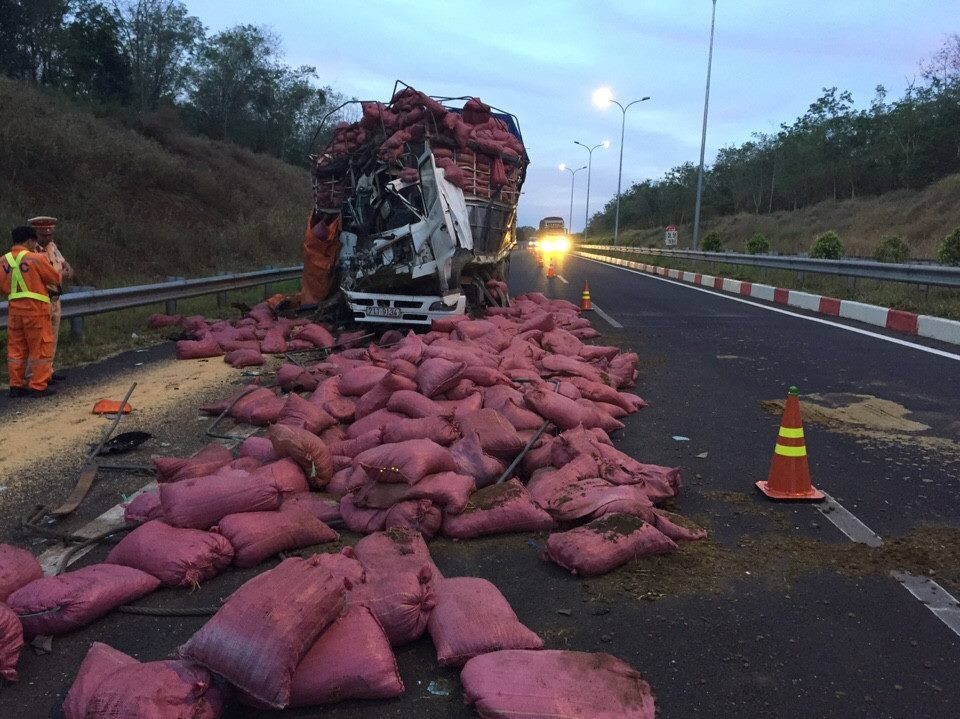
x=843, y=520
x=562, y=279
x=612, y=322
x=937, y=599
x=848, y=328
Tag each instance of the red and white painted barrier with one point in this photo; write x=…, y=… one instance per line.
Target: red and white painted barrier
x=936, y=328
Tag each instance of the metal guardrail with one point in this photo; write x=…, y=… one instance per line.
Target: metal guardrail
x=77, y=305
x=920, y=274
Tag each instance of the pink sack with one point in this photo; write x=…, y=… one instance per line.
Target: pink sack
x=316, y=335
x=155, y=322
x=11, y=642
x=263, y=630
x=562, y=411
x=243, y=357
x=413, y=404
x=352, y=659
x=353, y=447
x=408, y=461
x=260, y=407
x=201, y=503
x=292, y=377
x=328, y=396
x=177, y=557
x=415, y=515
x=472, y=617
x=260, y=448
x=18, y=567
x=198, y=349
x=304, y=448
x=497, y=509
x=343, y=565
x=360, y=380
x=257, y=536
x=497, y=436
x=472, y=460
x=438, y=429
x=323, y=507
x=437, y=375
x=360, y=519
x=396, y=551
x=606, y=543
x=204, y=463
x=378, y=397
x=142, y=508
x=99, y=663
x=401, y=602
x=449, y=490
x=66, y=602
x=273, y=342
x=373, y=421
x=553, y=683
x=286, y=474
x=298, y=412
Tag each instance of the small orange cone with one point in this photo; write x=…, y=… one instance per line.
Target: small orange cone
x=789, y=474
x=585, y=304
x=550, y=272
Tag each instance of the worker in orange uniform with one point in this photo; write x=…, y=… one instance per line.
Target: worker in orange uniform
x=25, y=274
x=45, y=226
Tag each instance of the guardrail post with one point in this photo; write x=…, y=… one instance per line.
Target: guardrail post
x=800, y=276
x=170, y=306
x=851, y=283
x=221, y=299
x=76, y=328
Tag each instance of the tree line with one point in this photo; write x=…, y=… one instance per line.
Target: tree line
x=137, y=58
x=834, y=151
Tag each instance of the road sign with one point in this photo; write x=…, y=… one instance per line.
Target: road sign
x=670, y=238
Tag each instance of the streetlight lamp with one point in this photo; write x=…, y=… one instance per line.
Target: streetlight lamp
x=573, y=177
x=603, y=98
x=586, y=214
x=703, y=138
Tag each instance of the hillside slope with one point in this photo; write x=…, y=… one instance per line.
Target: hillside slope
x=921, y=217
x=143, y=206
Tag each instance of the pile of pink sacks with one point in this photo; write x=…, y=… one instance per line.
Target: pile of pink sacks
x=243, y=342
x=475, y=149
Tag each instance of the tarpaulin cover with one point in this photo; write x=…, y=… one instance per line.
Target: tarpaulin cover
x=606, y=543
x=18, y=567
x=258, y=637
x=61, y=604
x=11, y=642
x=256, y=536
x=201, y=503
x=471, y=617
x=519, y=684
x=177, y=557
x=497, y=509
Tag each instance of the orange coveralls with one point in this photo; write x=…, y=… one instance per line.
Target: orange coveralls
x=29, y=333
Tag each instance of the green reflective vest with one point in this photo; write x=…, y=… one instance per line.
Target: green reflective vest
x=18, y=287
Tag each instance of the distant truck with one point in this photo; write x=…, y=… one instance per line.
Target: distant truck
x=552, y=236
x=416, y=206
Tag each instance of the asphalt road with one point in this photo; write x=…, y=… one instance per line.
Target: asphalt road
x=778, y=614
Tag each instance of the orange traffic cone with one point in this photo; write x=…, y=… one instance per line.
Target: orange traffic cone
x=789, y=474
x=585, y=304
x=550, y=272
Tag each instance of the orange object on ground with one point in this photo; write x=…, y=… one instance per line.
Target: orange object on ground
x=24, y=277
x=550, y=272
x=585, y=304
x=111, y=406
x=789, y=474
x=319, y=257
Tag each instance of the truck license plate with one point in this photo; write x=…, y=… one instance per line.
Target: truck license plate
x=383, y=312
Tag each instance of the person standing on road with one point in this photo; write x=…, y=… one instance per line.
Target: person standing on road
x=44, y=227
x=25, y=275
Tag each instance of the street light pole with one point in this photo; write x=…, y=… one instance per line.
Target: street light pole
x=573, y=178
x=586, y=213
x=703, y=138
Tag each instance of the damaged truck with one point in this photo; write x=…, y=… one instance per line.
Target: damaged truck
x=414, y=212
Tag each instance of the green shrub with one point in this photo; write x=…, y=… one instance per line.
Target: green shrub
x=949, y=251
x=758, y=244
x=711, y=242
x=891, y=249
x=827, y=247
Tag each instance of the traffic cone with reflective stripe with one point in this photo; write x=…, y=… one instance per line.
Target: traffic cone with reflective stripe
x=789, y=474
x=550, y=272
x=585, y=304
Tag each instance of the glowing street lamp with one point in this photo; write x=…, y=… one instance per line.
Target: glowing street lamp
x=573, y=177
x=603, y=98
x=586, y=214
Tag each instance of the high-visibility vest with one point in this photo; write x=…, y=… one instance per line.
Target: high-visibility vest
x=18, y=286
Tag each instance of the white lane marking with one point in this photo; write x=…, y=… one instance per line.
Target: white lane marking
x=937, y=599
x=843, y=520
x=612, y=322
x=562, y=279
x=848, y=328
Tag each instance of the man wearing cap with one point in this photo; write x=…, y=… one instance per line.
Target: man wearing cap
x=25, y=275
x=45, y=226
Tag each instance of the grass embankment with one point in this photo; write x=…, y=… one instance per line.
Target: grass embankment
x=140, y=205
x=922, y=218
x=936, y=301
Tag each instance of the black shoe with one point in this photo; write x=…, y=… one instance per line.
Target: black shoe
x=46, y=392
x=58, y=377
x=19, y=392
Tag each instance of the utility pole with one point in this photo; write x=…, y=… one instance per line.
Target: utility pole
x=703, y=138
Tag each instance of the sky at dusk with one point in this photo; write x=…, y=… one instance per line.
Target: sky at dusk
x=542, y=60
